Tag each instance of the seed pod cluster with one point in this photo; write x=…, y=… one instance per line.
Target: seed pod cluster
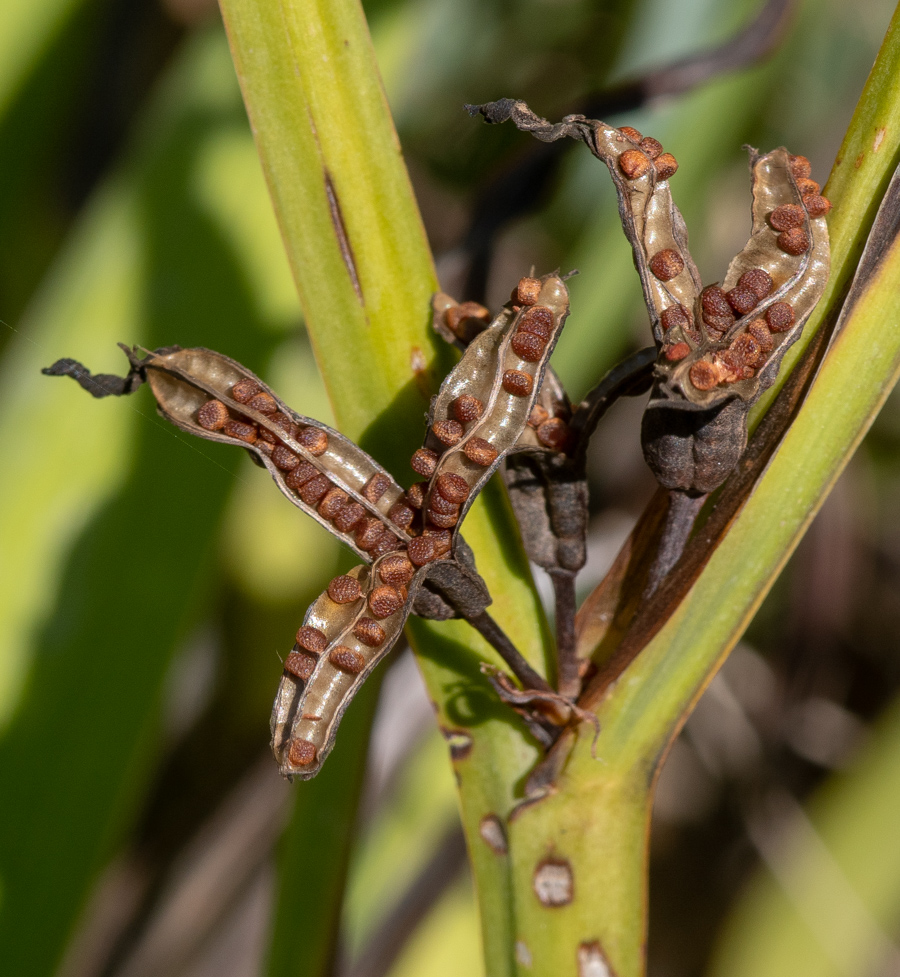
x=485, y=403
x=319, y=470
x=345, y=634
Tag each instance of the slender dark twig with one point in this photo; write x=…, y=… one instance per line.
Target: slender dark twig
x=679, y=522
x=568, y=680
x=497, y=638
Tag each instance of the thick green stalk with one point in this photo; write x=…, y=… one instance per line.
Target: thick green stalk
x=359, y=256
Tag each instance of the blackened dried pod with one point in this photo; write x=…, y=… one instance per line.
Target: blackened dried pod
x=481, y=374
x=307, y=711
x=184, y=381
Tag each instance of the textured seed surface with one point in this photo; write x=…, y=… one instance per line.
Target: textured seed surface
x=384, y=601
x=301, y=753
x=758, y=281
x=554, y=433
x=677, y=352
x=369, y=632
x=297, y=477
x=518, y=383
x=241, y=430
x=667, y=264
x=795, y=241
x=633, y=163
x=438, y=503
x=314, y=489
x=263, y=402
x=527, y=291
x=415, y=494
x=312, y=639
x=817, y=205
x=800, y=167
x=652, y=147
x=421, y=550
x=212, y=415
x=424, y=462
x=368, y=532
x=452, y=487
x=314, y=439
x=787, y=216
x=675, y=315
x=779, y=317
x=480, y=452
x=447, y=432
x=386, y=543
x=441, y=540
x=444, y=521
x=300, y=665
x=332, y=503
x=349, y=517
x=396, y=570
x=344, y=589
x=376, y=486
x=631, y=133
x=808, y=188
x=284, y=458
x=666, y=165
x=528, y=346
x=243, y=390
x=537, y=320
x=704, y=376
x=467, y=408
x=401, y=515
x=742, y=300
x=347, y=659
x=761, y=333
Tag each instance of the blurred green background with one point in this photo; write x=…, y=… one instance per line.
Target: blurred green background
x=150, y=583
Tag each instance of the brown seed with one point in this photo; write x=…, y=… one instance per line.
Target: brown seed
x=666, y=166
x=284, y=458
x=744, y=350
x=368, y=532
x=518, y=383
x=480, y=452
x=313, y=490
x=537, y=320
x=527, y=291
x=312, y=639
x=652, y=147
x=675, y=315
x=554, y=433
x=421, y=550
x=677, y=352
x=780, y=317
x=396, y=570
x=376, y=486
x=347, y=660
x=667, y=264
x=415, y=495
x=243, y=390
x=424, y=462
x=300, y=665
x=302, y=753
x=344, y=589
x=282, y=421
x=758, y=281
x=453, y=488
x=241, y=430
x=528, y=346
x=742, y=300
x=384, y=601
x=447, y=432
x=401, y=515
x=441, y=520
x=386, y=543
x=633, y=163
x=787, y=216
x=800, y=167
x=704, y=376
x=714, y=302
x=369, y=632
x=437, y=503
x=456, y=316
x=349, y=517
x=760, y=332
x=794, y=241
x=263, y=402
x=441, y=539
x=297, y=477
x=333, y=501
x=808, y=188
x=631, y=133
x=212, y=415
x=537, y=416
x=314, y=439
x=816, y=205
x=466, y=408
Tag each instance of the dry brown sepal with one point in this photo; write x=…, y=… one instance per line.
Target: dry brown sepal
x=307, y=713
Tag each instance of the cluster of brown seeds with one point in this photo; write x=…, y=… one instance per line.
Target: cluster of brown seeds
x=552, y=431
x=634, y=163
x=789, y=220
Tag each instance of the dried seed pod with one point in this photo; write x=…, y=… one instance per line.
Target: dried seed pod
x=213, y=415
x=344, y=589
x=666, y=166
x=480, y=452
x=447, y=432
x=634, y=164
x=527, y=291
x=466, y=408
x=308, y=711
x=240, y=431
x=244, y=389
